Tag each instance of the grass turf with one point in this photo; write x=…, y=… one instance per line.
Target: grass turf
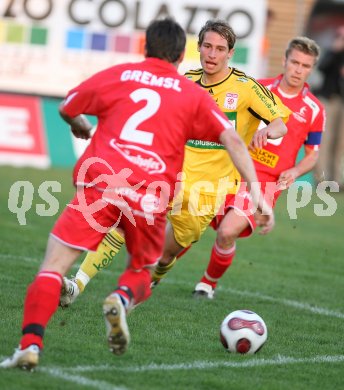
x=292, y=277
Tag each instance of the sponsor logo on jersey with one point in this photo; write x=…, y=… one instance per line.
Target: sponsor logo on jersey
x=106, y=261
x=147, y=160
x=242, y=79
x=265, y=157
x=268, y=102
x=128, y=193
x=300, y=116
x=196, y=143
x=231, y=101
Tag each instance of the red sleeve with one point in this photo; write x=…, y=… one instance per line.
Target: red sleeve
x=316, y=129
x=83, y=99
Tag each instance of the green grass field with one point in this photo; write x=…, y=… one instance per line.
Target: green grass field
x=294, y=278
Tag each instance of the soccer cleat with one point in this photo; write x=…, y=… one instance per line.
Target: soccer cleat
x=117, y=331
x=69, y=292
x=203, y=290
x=154, y=283
x=26, y=359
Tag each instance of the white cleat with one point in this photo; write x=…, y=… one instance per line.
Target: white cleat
x=154, y=283
x=203, y=290
x=26, y=359
x=117, y=331
x=69, y=292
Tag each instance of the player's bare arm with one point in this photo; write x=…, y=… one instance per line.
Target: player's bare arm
x=80, y=125
x=275, y=129
x=242, y=160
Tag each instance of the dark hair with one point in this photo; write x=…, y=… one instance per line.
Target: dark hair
x=305, y=45
x=222, y=28
x=165, y=39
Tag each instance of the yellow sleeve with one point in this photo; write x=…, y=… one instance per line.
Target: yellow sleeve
x=266, y=105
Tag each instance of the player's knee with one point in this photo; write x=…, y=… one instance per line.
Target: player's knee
x=226, y=236
x=168, y=255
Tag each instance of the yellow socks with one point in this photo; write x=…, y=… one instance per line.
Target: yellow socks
x=160, y=271
x=102, y=258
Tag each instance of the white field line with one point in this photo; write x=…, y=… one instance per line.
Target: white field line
x=26, y=258
x=80, y=380
x=281, y=301
x=200, y=365
x=288, y=302
x=19, y=257
x=64, y=373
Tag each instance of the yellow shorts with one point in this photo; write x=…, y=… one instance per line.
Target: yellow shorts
x=191, y=215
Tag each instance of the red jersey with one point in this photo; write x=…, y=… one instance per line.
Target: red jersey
x=305, y=127
x=146, y=113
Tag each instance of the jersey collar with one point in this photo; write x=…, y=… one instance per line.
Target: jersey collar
x=303, y=92
x=217, y=83
x=160, y=63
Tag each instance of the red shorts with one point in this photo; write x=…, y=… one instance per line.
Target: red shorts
x=242, y=204
x=89, y=216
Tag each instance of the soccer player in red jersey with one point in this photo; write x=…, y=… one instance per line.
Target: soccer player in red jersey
x=208, y=173
x=276, y=162
x=125, y=178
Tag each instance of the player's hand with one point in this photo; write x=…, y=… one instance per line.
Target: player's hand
x=260, y=139
x=286, y=178
x=264, y=215
x=82, y=133
x=80, y=127
x=265, y=221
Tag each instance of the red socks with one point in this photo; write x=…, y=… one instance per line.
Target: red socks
x=135, y=285
x=220, y=260
x=41, y=302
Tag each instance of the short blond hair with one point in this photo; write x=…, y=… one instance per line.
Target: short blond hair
x=305, y=45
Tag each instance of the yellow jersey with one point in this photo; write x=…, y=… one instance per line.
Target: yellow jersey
x=246, y=103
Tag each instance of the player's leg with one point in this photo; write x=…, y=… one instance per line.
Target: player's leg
x=70, y=236
x=169, y=257
x=93, y=263
x=101, y=259
x=46, y=287
x=41, y=302
x=133, y=286
x=235, y=221
x=184, y=228
x=222, y=253
x=238, y=221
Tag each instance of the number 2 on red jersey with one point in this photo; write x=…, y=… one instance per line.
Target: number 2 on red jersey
x=130, y=131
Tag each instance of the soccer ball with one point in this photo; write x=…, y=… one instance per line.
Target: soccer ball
x=243, y=331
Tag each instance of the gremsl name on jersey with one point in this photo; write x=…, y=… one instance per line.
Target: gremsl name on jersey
x=148, y=78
